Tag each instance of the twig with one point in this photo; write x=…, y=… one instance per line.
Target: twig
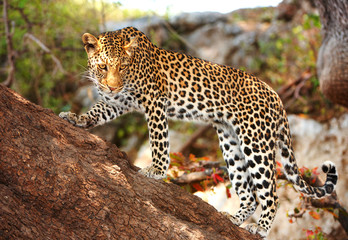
x=298, y=215
x=10, y=52
x=188, y=178
x=46, y=50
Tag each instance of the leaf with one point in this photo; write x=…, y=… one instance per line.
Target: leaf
x=177, y=156
x=204, y=158
x=198, y=187
x=318, y=230
x=315, y=171
x=217, y=178
x=22, y=3
x=228, y=192
x=192, y=157
x=309, y=233
x=172, y=163
x=302, y=170
x=314, y=215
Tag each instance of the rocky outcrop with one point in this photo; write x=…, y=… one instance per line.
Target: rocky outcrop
x=230, y=39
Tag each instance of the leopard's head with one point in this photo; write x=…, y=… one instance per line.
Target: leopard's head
x=109, y=57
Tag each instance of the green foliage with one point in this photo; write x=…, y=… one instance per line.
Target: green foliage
x=288, y=58
x=44, y=34
x=57, y=27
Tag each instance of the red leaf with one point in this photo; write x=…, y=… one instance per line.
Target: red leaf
x=217, y=178
x=228, y=192
x=304, y=170
x=198, y=187
x=309, y=233
x=315, y=171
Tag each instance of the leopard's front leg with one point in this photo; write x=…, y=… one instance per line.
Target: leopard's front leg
x=99, y=114
x=156, y=117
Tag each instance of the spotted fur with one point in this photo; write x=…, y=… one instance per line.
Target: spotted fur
x=132, y=74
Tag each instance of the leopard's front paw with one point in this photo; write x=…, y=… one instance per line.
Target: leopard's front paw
x=256, y=229
x=79, y=121
x=234, y=220
x=69, y=116
x=153, y=172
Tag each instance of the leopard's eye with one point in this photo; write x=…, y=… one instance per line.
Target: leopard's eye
x=123, y=66
x=102, y=66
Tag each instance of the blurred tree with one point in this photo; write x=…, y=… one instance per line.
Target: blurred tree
x=332, y=63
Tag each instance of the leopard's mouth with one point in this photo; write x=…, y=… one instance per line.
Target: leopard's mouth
x=112, y=88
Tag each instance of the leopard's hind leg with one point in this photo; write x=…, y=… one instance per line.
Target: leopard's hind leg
x=261, y=165
x=238, y=173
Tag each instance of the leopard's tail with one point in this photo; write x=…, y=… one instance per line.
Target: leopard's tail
x=292, y=171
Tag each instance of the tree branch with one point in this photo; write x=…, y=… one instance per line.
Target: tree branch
x=58, y=181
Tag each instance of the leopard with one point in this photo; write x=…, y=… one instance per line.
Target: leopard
x=133, y=74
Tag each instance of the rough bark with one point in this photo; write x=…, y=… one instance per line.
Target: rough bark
x=61, y=182
x=332, y=63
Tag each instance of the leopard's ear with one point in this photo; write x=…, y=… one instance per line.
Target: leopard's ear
x=132, y=43
x=91, y=43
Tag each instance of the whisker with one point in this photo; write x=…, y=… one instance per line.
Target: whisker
x=85, y=73
x=84, y=67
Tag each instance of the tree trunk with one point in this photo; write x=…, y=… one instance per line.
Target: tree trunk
x=332, y=63
x=61, y=182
